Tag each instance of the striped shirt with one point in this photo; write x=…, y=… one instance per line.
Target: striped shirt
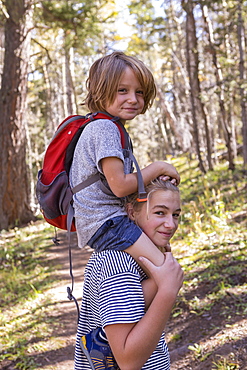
x=112, y=294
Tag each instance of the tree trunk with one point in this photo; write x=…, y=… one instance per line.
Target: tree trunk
x=219, y=81
x=14, y=185
x=68, y=86
x=167, y=111
x=243, y=94
x=192, y=67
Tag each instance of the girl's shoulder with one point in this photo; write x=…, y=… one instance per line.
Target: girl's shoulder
x=112, y=262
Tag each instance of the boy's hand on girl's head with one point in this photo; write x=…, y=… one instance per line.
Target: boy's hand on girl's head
x=164, y=178
x=169, y=172
x=168, y=178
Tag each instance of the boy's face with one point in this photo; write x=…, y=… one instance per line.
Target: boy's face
x=160, y=220
x=129, y=100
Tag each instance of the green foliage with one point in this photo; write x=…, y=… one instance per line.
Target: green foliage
x=199, y=351
x=213, y=204
x=24, y=277
x=23, y=270
x=80, y=21
x=226, y=363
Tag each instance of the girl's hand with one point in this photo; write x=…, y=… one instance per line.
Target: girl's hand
x=168, y=276
x=168, y=247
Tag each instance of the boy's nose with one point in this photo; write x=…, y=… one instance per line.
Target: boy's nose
x=132, y=98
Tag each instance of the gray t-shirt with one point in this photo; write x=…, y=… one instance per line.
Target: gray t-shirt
x=99, y=139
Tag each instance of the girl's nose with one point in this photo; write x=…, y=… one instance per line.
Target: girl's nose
x=169, y=222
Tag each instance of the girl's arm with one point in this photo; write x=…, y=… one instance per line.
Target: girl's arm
x=122, y=185
x=132, y=344
x=149, y=289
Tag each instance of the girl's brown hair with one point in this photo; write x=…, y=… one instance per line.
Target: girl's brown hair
x=154, y=186
x=104, y=77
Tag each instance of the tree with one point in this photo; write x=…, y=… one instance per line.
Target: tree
x=228, y=134
x=14, y=185
x=195, y=90
x=243, y=95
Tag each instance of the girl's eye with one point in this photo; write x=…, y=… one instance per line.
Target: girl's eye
x=122, y=90
x=176, y=215
x=160, y=213
x=140, y=92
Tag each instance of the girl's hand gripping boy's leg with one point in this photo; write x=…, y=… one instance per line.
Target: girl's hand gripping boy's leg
x=168, y=276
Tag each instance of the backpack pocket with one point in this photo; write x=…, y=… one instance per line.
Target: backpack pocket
x=54, y=198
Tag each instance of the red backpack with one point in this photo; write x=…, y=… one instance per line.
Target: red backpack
x=53, y=191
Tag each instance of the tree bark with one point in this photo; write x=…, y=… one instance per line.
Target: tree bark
x=68, y=86
x=243, y=94
x=219, y=81
x=14, y=184
x=166, y=109
x=192, y=67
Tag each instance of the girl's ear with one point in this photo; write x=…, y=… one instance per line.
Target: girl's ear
x=130, y=211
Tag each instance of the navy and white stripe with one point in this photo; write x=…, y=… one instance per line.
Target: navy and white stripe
x=112, y=294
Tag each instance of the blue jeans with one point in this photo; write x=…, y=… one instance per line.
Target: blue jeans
x=118, y=233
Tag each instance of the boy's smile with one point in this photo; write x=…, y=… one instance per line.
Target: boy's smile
x=129, y=100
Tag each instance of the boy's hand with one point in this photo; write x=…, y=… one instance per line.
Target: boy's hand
x=168, y=172
x=168, y=178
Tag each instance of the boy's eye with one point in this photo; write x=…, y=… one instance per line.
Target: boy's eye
x=176, y=215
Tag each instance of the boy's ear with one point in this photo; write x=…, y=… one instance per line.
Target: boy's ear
x=130, y=211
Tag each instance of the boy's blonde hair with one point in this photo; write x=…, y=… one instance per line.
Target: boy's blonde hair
x=104, y=76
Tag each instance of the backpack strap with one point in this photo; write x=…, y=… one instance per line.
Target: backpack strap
x=70, y=296
x=65, y=123
x=142, y=195
x=86, y=183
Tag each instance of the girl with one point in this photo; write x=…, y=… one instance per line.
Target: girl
x=121, y=86
x=118, y=297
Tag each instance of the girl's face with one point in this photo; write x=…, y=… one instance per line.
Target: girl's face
x=129, y=100
x=160, y=220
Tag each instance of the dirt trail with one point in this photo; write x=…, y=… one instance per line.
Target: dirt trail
x=64, y=310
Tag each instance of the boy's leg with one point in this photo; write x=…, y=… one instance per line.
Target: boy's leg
x=146, y=248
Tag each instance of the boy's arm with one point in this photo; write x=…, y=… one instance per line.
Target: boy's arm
x=132, y=344
x=123, y=185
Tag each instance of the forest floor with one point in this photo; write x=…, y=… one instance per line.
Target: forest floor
x=212, y=340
